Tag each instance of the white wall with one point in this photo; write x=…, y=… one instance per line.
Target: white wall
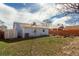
x=39, y=32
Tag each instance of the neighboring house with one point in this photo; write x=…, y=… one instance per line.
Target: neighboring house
x=60, y=26
x=25, y=30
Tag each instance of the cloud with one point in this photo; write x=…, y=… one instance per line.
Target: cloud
x=7, y=9
x=45, y=12
x=61, y=20
x=9, y=14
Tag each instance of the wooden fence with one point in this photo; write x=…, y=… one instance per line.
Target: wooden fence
x=64, y=32
x=1, y=34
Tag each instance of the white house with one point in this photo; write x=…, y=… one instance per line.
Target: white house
x=25, y=30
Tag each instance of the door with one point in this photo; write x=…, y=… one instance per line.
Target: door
x=1, y=34
x=26, y=35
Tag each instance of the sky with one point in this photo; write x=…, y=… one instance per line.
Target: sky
x=31, y=12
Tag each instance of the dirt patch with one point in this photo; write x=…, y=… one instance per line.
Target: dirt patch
x=72, y=48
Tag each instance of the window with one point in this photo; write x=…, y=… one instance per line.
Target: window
x=43, y=30
x=34, y=31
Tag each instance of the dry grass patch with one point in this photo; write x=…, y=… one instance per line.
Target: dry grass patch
x=42, y=46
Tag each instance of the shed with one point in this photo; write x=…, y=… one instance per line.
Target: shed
x=25, y=30
x=34, y=31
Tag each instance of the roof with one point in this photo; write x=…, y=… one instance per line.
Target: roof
x=27, y=25
x=33, y=26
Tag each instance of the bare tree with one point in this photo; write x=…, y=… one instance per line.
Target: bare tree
x=48, y=22
x=71, y=7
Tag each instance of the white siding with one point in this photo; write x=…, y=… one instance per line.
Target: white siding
x=39, y=32
x=10, y=33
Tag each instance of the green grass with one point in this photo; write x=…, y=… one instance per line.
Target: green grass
x=42, y=46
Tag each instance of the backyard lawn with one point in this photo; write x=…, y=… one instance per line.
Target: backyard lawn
x=42, y=46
